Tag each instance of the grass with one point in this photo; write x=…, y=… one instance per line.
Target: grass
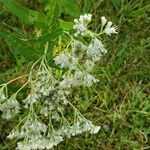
x=121, y=104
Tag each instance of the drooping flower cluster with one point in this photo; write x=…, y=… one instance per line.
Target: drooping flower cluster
x=45, y=123
x=41, y=86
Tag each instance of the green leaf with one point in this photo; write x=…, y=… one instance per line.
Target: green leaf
x=52, y=9
x=70, y=7
x=87, y=5
x=50, y=36
x=19, y=45
x=24, y=14
x=66, y=25
x=139, y=12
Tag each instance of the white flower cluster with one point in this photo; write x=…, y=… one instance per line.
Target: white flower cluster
x=40, y=143
x=89, y=80
x=96, y=49
x=34, y=132
x=31, y=129
x=9, y=106
x=80, y=126
x=86, y=57
x=78, y=49
x=89, y=65
x=78, y=78
x=45, y=122
x=64, y=60
x=3, y=96
x=81, y=24
x=109, y=29
x=40, y=87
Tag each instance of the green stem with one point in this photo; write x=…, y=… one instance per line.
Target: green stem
x=46, y=48
x=5, y=84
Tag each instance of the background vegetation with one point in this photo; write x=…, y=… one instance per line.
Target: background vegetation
x=122, y=97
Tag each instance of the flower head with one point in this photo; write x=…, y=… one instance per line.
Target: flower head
x=96, y=49
x=89, y=80
x=110, y=29
x=81, y=24
x=103, y=20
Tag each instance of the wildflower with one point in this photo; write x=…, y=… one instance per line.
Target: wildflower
x=103, y=21
x=31, y=98
x=31, y=129
x=10, y=107
x=110, y=29
x=3, y=96
x=48, y=97
x=62, y=60
x=96, y=49
x=44, y=111
x=81, y=24
x=78, y=49
x=66, y=61
x=94, y=129
x=68, y=82
x=89, y=80
x=55, y=116
x=89, y=64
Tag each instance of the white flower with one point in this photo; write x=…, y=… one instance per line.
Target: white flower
x=32, y=128
x=78, y=49
x=110, y=29
x=89, y=80
x=66, y=83
x=96, y=49
x=87, y=126
x=3, y=97
x=31, y=98
x=80, y=27
x=89, y=64
x=94, y=129
x=103, y=21
x=74, y=63
x=81, y=24
x=56, y=116
x=44, y=111
x=85, y=18
x=56, y=139
x=69, y=82
x=10, y=107
x=66, y=61
x=62, y=60
x=48, y=97
x=98, y=45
